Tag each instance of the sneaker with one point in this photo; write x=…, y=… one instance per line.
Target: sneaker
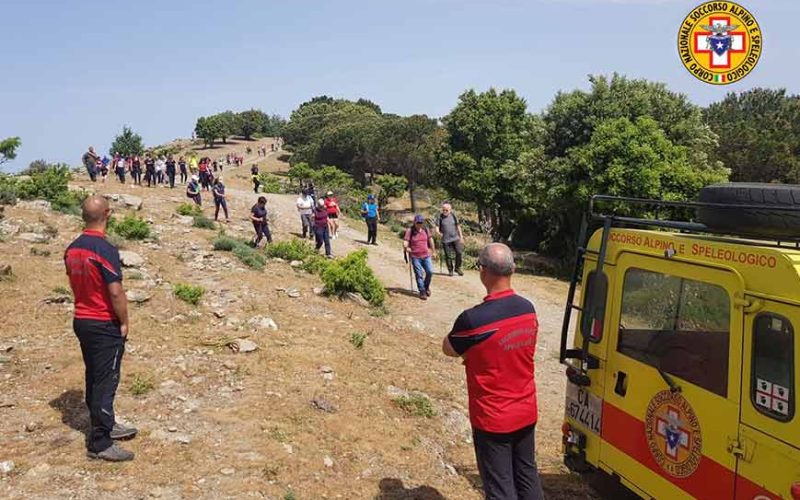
x=450, y=273
x=123, y=432
x=428, y=292
x=423, y=296
x=459, y=272
x=112, y=454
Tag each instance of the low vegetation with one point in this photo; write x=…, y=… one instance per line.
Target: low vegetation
x=203, y=222
x=130, y=227
x=353, y=274
x=191, y=294
x=243, y=250
x=293, y=249
x=141, y=384
x=43, y=181
x=189, y=209
x=271, y=183
x=358, y=339
x=415, y=404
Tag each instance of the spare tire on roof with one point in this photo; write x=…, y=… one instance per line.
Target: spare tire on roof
x=764, y=220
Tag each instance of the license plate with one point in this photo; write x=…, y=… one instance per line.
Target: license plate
x=584, y=407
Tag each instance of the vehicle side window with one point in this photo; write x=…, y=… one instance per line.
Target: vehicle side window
x=772, y=389
x=677, y=325
x=594, y=306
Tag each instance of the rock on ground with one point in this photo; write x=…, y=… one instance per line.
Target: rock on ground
x=137, y=296
x=130, y=259
x=33, y=237
x=34, y=204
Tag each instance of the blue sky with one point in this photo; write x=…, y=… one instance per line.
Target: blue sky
x=75, y=72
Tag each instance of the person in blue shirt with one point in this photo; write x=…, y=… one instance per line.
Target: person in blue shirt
x=219, y=199
x=193, y=190
x=370, y=212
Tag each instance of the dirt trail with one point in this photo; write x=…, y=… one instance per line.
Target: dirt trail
x=219, y=425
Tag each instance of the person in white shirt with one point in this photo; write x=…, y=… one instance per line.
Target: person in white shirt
x=305, y=207
x=161, y=165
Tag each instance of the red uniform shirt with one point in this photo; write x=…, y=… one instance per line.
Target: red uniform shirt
x=418, y=242
x=498, y=340
x=92, y=264
x=331, y=205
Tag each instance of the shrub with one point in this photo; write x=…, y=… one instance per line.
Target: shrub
x=203, y=222
x=416, y=404
x=8, y=190
x=392, y=186
x=358, y=339
x=62, y=290
x=294, y=249
x=270, y=183
x=69, y=202
x=131, y=227
x=249, y=256
x=225, y=243
x=191, y=294
x=189, y=209
x=315, y=264
x=47, y=184
x=352, y=274
x=141, y=384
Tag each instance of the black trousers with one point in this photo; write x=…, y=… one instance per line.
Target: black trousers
x=150, y=177
x=171, y=177
x=184, y=176
x=262, y=231
x=507, y=465
x=372, y=229
x=220, y=203
x=102, y=347
x=322, y=237
x=451, y=250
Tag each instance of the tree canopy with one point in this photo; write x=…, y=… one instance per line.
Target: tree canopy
x=127, y=143
x=8, y=148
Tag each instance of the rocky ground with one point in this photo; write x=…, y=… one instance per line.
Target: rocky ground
x=304, y=415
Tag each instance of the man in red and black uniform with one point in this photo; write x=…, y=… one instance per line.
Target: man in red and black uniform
x=101, y=325
x=497, y=340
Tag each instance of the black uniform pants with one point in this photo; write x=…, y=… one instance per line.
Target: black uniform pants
x=372, y=229
x=171, y=177
x=262, y=231
x=454, y=249
x=102, y=347
x=507, y=465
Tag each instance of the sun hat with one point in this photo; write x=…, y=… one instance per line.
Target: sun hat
x=418, y=219
x=195, y=178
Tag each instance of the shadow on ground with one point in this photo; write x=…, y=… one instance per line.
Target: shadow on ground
x=393, y=489
x=402, y=291
x=73, y=410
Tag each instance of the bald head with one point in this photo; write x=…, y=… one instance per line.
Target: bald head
x=95, y=210
x=497, y=259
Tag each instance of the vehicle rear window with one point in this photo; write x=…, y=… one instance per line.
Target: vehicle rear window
x=678, y=325
x=594, y=306
x=772, y=390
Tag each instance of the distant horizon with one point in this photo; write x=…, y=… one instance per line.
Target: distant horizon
x=68, y=87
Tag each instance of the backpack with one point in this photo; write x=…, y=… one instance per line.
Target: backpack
x=439, y=220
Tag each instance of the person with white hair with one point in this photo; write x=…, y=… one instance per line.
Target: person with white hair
x=193, y=190
x=497, y=341
x=321, y=231
x=448, y=227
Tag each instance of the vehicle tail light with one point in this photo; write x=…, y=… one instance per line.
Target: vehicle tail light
x=571, y=372
x=796, y=491
x=597, y=329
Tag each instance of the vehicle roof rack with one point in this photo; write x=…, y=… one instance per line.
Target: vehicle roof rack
x=687, y=226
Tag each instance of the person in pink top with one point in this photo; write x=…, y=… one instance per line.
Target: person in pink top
x=418, y=243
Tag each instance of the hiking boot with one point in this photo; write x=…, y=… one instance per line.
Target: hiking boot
x=459, y=272
x=112, y=454
x=423, y=296
x=450, y=273
x=428, y=292
x=123, y=432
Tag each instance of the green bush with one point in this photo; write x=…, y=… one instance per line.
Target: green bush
x=131, y=227
x=352, y=274
x=225, y=243
x=358, y=339
x=271, y=183
x=316, y=264
x=392, y=186
x=203, y=222
x=141, y=384
x=249, y=256
x=189, y=209
x=190, y=294
x=417, y=405
x=69, y=202
x=8, y=190
x=294, y=249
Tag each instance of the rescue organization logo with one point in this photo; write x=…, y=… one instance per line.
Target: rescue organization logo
x=719, y=42
x=673, y=434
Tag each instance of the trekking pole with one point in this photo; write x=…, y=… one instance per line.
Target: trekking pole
x=410, y=274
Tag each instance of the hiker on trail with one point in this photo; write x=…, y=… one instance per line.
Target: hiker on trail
x=149, y=170
x=193, y=191
x=136, y=171
x=258, y=214
x=171, y=171
x=203, y=170
x=305, y=207
x=254, y=176
x=160, y=167
x=332, y=206
x=219, y=199
x=311, y=191
x=497, y=341
x=448, y=227
x=192, y=164
x=221, y=163
x=321, y=230
x=370, y=213
x=119, y=167
x=102, y=167
x=89, y=159
x=182, y=167
x=101, y=325
x=418, y=243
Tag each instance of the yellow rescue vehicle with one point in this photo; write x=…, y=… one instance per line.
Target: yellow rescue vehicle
x=681, y=375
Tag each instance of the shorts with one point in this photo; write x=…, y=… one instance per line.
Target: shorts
x=333, y=216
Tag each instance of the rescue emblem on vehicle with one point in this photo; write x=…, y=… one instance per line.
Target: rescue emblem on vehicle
x=673, y=434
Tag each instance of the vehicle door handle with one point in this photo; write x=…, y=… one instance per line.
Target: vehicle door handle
x=621, y=387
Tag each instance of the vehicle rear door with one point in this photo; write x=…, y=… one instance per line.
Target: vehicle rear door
x=671, y=407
